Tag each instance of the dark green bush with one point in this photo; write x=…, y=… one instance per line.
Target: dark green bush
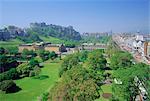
x=8, y=86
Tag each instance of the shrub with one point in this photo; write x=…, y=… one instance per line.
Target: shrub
x=33, y=63
x=68, y=62
x=11, y=74
x=52, y=55
x=35, y=72
x=23, y=69
x=8, y=86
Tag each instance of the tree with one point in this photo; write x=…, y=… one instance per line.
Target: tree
x=2, y=50
x=33, y=63
x=112, y=48
x=83, y=56
x=128, y=89
x=23, y=69
x=8, y=86
x=7, y=63
x=52, y=55
x=12, y=50
x=121, y=60
x=68, y=62
x=43, y=54
x=96, y=65
x=3, y=62
x=35, y=72
x=75, y=85
x=11, y=74
x=28, y=53
x=96, y=60
x=70, y=45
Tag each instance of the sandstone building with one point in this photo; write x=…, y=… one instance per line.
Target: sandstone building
x=57, y=48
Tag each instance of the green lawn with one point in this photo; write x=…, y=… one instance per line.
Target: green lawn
x=55, y=40
x=10, y=43
x=51, y=39
x=32, y=88
x=107, y=88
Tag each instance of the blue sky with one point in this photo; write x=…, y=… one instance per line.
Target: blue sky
x=83, y=15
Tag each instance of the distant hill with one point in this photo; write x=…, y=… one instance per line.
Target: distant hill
x=40, y=32
x=66, y=33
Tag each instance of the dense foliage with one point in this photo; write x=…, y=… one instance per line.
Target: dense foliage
x=125, y=70
x=11, y=74
x=121, y=60
x=7, y=63
x=80, y=82
x=45, y=55
x=23, y=69
x=128, y=89
x=31, y=37
x=93, y=39
x=8, y=86
x=28, y=54
x=76, y=84
x=96, y=65
x=68, y=62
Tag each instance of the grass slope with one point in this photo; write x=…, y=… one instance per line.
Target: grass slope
x=107, y=88
x=16, y=42
x=51, y=39
x=32, y=88
x=10, y=43
x=57, y=40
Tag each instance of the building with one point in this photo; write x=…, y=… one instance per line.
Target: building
x=147, y=49
x=95, y=35
x=57, y=48
x=26, y=46
x=91, y=46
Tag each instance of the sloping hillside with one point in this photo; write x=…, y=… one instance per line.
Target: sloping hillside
x=39, y=32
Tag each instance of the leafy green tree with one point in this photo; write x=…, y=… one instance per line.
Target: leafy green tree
x=70, y=45
x=3, y=62
x=26, y=53
x=23, y=69
x=35, y=72
x=31, y=37
x=68, y=62
x=128, y=90
x=2, y=50
x=11, y=74
x=75, y=84
x=96, y=65
x=33, y=63
x=44, y=96
x=43, y=54
x=112, y=48
x=52, y=55
x=7, y=63
x=8, y=86
x=121, y=60
x=12, y=50
x=83, y=56
x=96, y=60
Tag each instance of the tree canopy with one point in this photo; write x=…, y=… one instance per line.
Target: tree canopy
x=121, y=60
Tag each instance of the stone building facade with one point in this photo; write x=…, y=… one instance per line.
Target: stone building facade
x=57, y=48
